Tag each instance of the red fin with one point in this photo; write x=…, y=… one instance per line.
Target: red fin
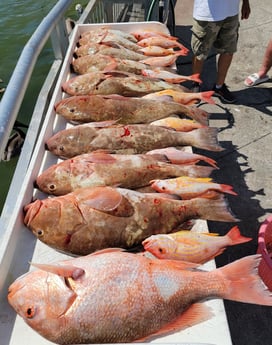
x=236, y=237
x=243, y=283
x=67, y=271
x=227, y=189
x=194, y=315
x=196, y=78
x=206, y=96
x=111, y=66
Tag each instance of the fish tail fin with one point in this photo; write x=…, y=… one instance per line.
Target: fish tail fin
x=196, y=78
x=236, y=237
x=209, y=160
x=205, y=138
x=184, y=50
x=206, y=96
x=227, y=189
x=244, y=283
x=216, y=209
x=198, y=115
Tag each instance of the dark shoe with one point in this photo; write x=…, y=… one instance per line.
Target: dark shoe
x=195, y=87
x=224, y=94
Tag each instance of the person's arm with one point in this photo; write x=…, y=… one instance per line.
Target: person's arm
x=245, y=11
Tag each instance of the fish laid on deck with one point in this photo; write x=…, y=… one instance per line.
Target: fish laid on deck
x=103, y=169
x=80, y=300
x=191, y=187
x=169, y=76
x=138, y=138
x=108, y=48
x=177, y=123
x=187, y=98
x=108, y=83
x=93, y=108
x=89, y=219
x=192, y=246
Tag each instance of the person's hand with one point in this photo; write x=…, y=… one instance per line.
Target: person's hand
x=245, y=11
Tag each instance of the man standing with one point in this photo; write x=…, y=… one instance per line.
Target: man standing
x=216, y=24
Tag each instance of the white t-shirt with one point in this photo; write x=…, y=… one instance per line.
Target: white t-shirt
x=214, y=10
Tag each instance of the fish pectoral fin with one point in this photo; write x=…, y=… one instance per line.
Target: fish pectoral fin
x=66, y=271
x=195, y=314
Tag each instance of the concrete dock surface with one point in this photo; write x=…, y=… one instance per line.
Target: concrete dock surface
x=246, y=163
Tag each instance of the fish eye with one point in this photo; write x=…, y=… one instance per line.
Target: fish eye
x=161, y=250
x=40, y=232
x=30, y=312
x=61, y=148
x=52, y=187
x=72, y=110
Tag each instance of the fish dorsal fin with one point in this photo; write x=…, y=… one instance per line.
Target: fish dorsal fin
x=101, y=157
x=66, y=271
x=103, y=199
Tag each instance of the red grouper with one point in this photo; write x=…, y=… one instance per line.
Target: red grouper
x=90, y=219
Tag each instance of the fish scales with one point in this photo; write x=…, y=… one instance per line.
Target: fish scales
x=126, y=110
x=137, y=138
x=89, y=219
x=101, y=169
x=130, y=300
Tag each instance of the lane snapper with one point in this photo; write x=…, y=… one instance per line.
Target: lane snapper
x=161, y=61
x=89, y=219
x=191, y=187
x=138, y=138
x=188, y=245
x=177, y=123
x=157, y=51
x=141, y=34
x=88, y=299
x=169, y=76
x=104, y=169
x=188, y=98
x=163, y=42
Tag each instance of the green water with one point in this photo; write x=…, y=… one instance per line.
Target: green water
x=18, y=21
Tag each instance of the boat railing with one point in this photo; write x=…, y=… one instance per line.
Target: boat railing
x=54, y=27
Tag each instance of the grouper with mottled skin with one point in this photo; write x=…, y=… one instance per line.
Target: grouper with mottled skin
x=127, y=110
x=90, y=219
x=119, y=297
x=126, y=171
x=137, y=138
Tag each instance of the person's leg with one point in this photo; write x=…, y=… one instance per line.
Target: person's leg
x=223, y=64
x=267, y=61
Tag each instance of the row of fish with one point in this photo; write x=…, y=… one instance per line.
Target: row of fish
x=125, y=180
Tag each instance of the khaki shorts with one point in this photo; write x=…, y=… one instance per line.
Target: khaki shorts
x=221, y=35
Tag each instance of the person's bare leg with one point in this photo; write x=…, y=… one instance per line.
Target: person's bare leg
x=267, y=61
x=224, y=62
x=197, y=65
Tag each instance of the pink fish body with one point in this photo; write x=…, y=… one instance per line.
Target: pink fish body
x=170, y=77
x=192, y=246
x=156, y=51
x=140, y=35
x=188, y=98
x=163, y=42
x=103, y=169
x=177, y=123
x=88, y=299
x=160, y=61
x=90, y=219
x=190, y=187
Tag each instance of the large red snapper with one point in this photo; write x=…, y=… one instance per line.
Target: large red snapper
x=115, y=297
x=116, y=82
x=127, y=110
x=103, y=169
x=192, y=246
x=137, y=138
x=90, y=219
